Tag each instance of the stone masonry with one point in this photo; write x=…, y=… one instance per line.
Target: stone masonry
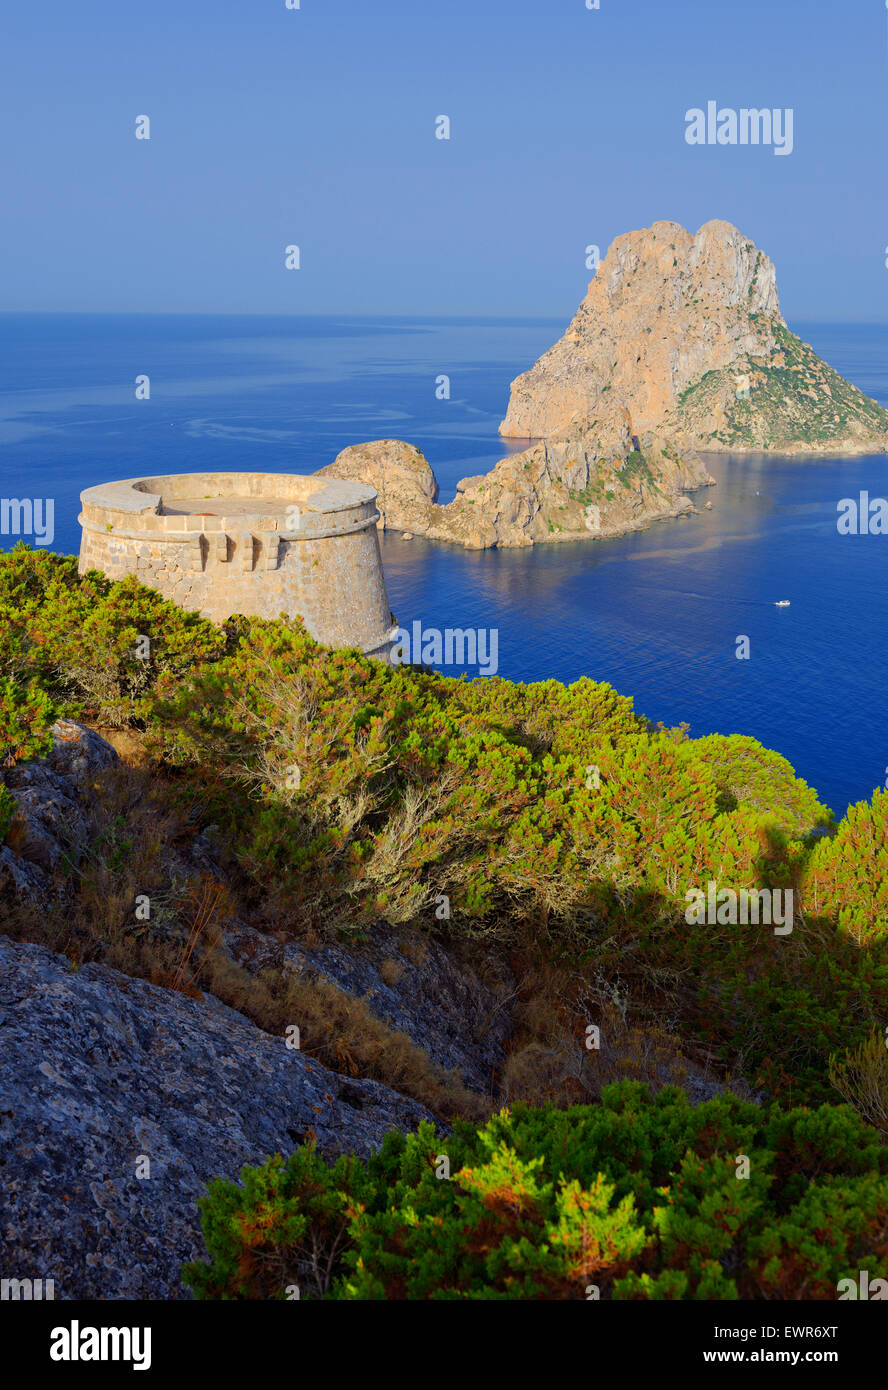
x=255, y=543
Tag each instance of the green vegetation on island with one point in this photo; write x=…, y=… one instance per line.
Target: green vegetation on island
x=790, y=400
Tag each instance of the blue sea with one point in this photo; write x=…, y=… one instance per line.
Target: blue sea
x=657, y=613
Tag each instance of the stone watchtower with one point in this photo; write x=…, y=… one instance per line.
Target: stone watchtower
x=254, y=543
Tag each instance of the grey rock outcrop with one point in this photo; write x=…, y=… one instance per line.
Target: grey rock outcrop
x=99, y=1071
x=50, y=814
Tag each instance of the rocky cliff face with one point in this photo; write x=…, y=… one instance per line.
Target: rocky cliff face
x=50, y=812
x=596, y=478
x=679, y=345
x=686, y=333
x=122, y=1100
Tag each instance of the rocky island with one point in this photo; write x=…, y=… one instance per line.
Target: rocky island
x=678, y=346
x=686, y=333
x=596, y=478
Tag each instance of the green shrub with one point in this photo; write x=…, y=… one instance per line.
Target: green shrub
x=8, y=809
x=96, y=645
x=640, y=1197
x=287, y=1225
x=26, y=718
x=761, y=780
x=847, y=875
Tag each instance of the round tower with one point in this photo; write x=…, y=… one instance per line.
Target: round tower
x=254, y=543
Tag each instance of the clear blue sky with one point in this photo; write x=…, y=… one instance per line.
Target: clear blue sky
x=271, y=126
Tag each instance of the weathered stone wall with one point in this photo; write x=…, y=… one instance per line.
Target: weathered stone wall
x=266, y=544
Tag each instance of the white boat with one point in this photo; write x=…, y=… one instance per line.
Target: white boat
x=782, y=603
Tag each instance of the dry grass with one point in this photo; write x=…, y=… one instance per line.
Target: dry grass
x=16, y=835
x=392, y=971
x=861, y=1079
x=129, y=744
x=414, y=948
x=341, y=1032
x=550, y=1062
x=137, y=831
x=204, y=931
x=131, y=823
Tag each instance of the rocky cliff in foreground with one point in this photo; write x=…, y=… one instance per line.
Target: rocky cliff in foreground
x=121, y=1100
x=685, y=332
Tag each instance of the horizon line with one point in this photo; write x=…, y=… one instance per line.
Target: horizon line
x=369, y=314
